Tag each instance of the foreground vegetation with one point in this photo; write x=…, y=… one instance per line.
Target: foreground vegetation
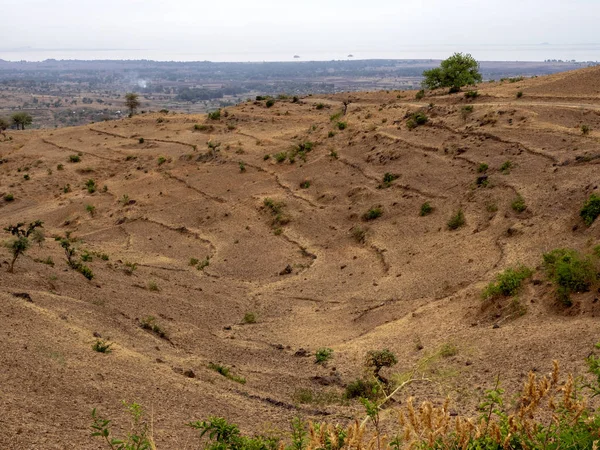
x=552, y=412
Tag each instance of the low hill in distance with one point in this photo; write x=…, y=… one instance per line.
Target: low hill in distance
x=225, y=252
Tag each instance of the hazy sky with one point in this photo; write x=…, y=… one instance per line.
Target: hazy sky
x=275, y=26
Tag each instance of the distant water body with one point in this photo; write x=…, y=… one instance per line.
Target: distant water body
x=541, y=52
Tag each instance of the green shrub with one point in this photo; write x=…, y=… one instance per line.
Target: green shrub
x=249, y=318
x=426, y=209
x=482, y=168
x=269, y=103
x=91, y=209
x=226, y=372
x=416, y=119
x=9, y=197
x=361, y=388
x=101, y=346
x=60, y=167
x=570, y=272
x=141, y=140
x=518, y=204
x=419, y=95
x=305, y=184
x=373, y=213
x=280, y=157
x=336, y=116
x=90, y=186
x=519, y=94
x=161, y=160
x=149, y=323
x=448, y=350
x=508, y=283
x=323, y=355
x=378, y=359
x=215, y=115
x=320, y=106
x=471, y=94
x=457, y=220
x=341, y=125
x=388, y=178
x=591, y=209
x=585, y=130
x=152, y=286
x=74, y=159
x=505, y=167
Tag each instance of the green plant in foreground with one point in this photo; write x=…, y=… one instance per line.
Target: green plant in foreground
x=570, y=272
x=323, y=355
x=508, y=283
x=590, y=210
x=138, y=438
x=9, y=197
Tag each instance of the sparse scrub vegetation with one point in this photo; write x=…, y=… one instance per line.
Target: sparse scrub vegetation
x=388, y=179
x=585, y=130
x=518, y=204
x=570, y=272
x=482, y=168
x=359, y=234
x=101, y=346
x=590, y=210
x=420, y=94
x=341, y=125
x=90, y=185
x=506, y=167
x=149, y=323
x=457, y=220
x=226, y=372
x=20, y=242
x=416, y=119
x=215, y=115
x=323, y=355
x=426, y=209
x=374, y=213
x=508, y=283
x=249, y=318
x=74, y=159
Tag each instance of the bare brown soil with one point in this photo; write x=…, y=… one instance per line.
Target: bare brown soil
x=412, y=283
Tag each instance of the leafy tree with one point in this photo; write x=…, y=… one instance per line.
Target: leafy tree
x=132, y=102
x=20, y=119
x=455, y=72
x=4, y=124
x=20, y=243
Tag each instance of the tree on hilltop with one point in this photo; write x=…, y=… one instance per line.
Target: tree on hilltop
x=132, y=102
x=455, y=72
x=20, y=119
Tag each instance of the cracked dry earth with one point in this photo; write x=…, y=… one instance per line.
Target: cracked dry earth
x=411, y=285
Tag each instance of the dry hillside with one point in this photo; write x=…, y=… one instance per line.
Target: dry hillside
x=305, y=265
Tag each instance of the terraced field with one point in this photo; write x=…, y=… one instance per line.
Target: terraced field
x=247, y=243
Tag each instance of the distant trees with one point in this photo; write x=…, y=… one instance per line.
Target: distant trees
x=455, y=72
x=20, y=119
x=132, y=102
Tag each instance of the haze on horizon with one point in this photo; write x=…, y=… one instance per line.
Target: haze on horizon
x=273, y=27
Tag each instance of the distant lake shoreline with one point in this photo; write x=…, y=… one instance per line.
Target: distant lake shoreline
x=523, y=53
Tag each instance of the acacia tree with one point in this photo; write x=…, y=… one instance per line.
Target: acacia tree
x=132, y=102
x=20, y=243
x=455, y=72
x=20, y=119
